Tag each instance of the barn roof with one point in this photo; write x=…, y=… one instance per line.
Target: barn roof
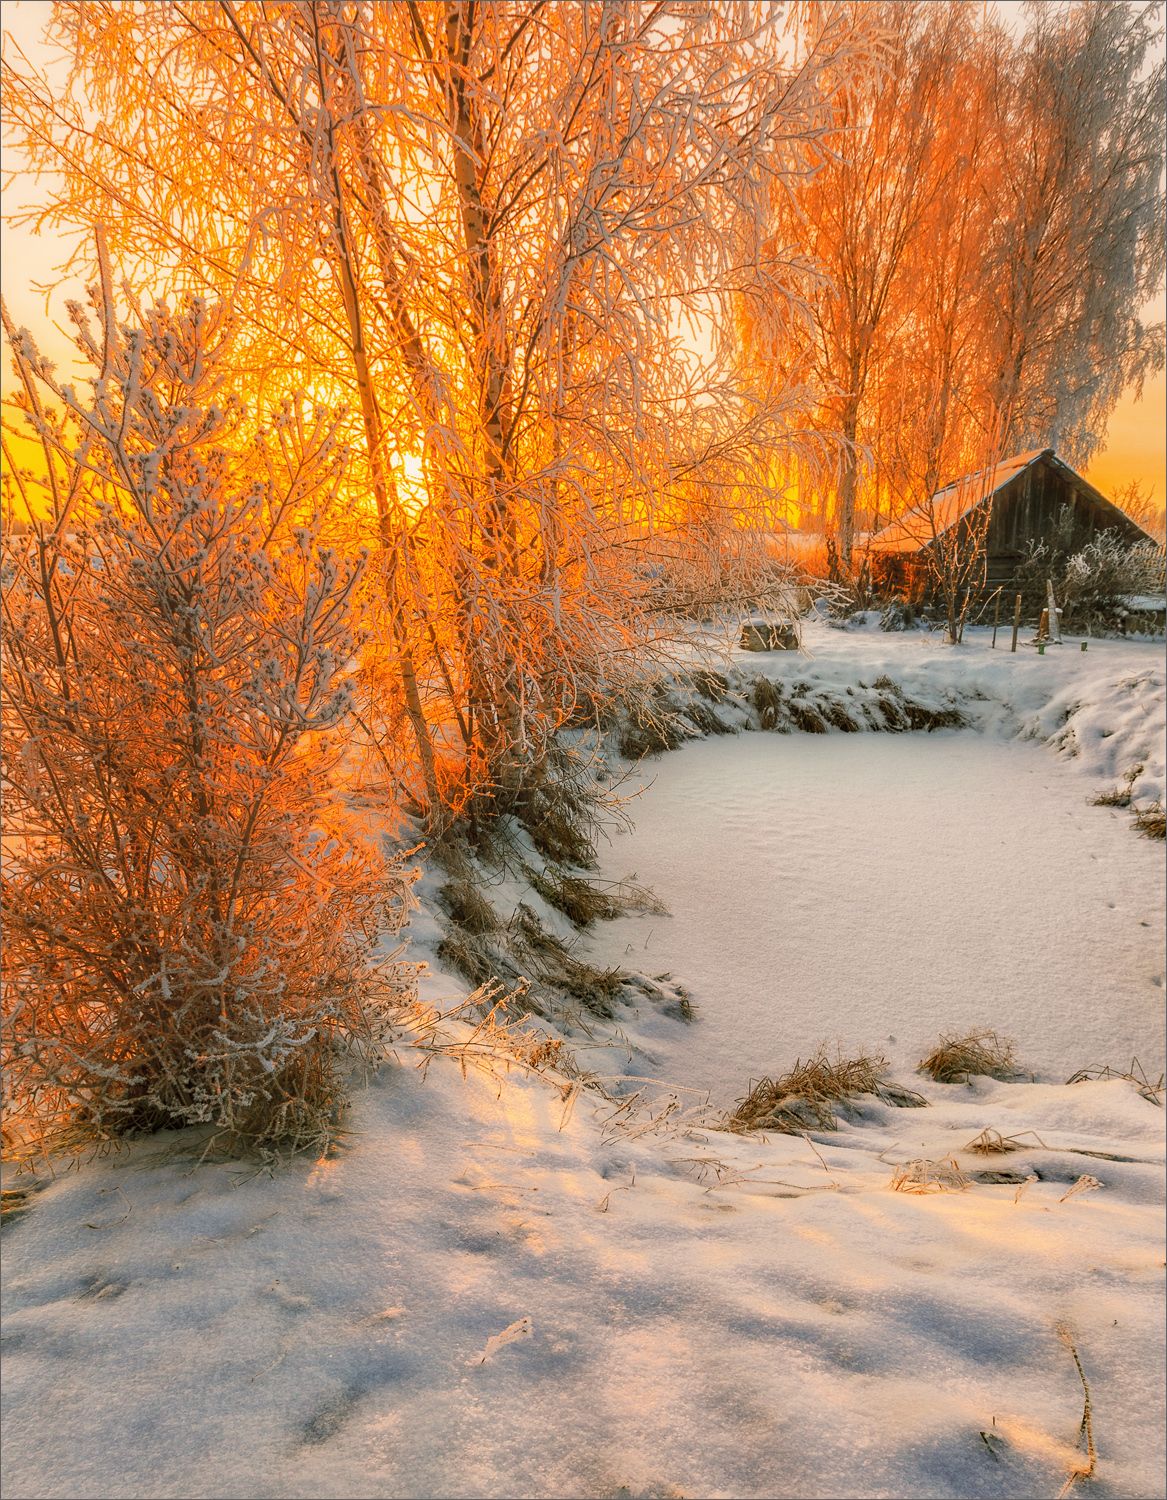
x=914, y=530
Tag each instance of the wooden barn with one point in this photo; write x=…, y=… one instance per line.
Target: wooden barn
x=1026, y=495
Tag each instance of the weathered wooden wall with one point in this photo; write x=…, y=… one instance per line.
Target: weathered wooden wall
x=1025, y=512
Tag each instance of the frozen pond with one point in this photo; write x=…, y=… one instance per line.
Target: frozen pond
x=877, y=890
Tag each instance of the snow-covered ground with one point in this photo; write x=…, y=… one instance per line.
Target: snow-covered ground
x=687, y=1312
x=798, y=1329
x=876, y=890
x=1103, y=708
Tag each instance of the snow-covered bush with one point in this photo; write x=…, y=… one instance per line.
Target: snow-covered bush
x=1099, y=578
x=1092, y=579
x=189, y=928
x=898, y=614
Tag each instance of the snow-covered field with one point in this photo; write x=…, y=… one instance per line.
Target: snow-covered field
x=1102, y=708
x=689, y=1312
x=880, y=889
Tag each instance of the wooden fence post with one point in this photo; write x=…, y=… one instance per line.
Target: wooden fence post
x=996, y=618
x=1016, y=621
x=1055, y=614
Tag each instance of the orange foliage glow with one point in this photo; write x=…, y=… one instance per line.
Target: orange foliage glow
x=476, y=230
x=988, y=232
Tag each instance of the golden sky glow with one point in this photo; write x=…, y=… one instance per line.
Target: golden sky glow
x=1136, y=439
x=1136, y=442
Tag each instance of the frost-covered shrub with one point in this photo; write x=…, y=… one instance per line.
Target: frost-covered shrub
x=188, y=925
x=1091, y=579
x=898, y=614
x=1099, y=578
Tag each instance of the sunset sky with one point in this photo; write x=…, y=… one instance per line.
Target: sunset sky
x=1136, y=444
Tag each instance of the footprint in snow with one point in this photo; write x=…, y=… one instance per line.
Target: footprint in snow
x=100, y=1290
x=289, y=1301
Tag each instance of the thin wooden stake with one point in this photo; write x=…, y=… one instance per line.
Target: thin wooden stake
x=1016, y=621
x=996, y=618
x=1055, y=618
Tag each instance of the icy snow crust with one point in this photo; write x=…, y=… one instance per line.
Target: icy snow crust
x=708, y=1314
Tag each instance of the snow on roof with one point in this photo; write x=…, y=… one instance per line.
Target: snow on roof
x=923, y=523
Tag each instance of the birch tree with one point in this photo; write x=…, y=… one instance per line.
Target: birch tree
x=480, y=226
x=1077, y=249
x=855, y=218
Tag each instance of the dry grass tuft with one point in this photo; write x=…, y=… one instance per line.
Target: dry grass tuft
x=467, y=955
x=560, y=807
x=549, y=959
x=468, y=907
x=640, y=740
x=542, y=969
x=1136, y=1074
x=651, y=728
x=900, y=712
x=991, y=1142
x=807, y=718
x=768, y=706
x=1151, y=821
x=707, y=719
x=1120, y=796
x=584, y=902
x=710, y=684
x=837, y=714
x=984, y=1053
x=578, y=900
x=808, y=1096
x=561, y=825
x=925, y=1176
x=920, y=717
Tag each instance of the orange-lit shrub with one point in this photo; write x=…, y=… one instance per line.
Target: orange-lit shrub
x=188, y=928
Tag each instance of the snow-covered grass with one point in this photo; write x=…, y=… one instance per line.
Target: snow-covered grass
x=708, y=1314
